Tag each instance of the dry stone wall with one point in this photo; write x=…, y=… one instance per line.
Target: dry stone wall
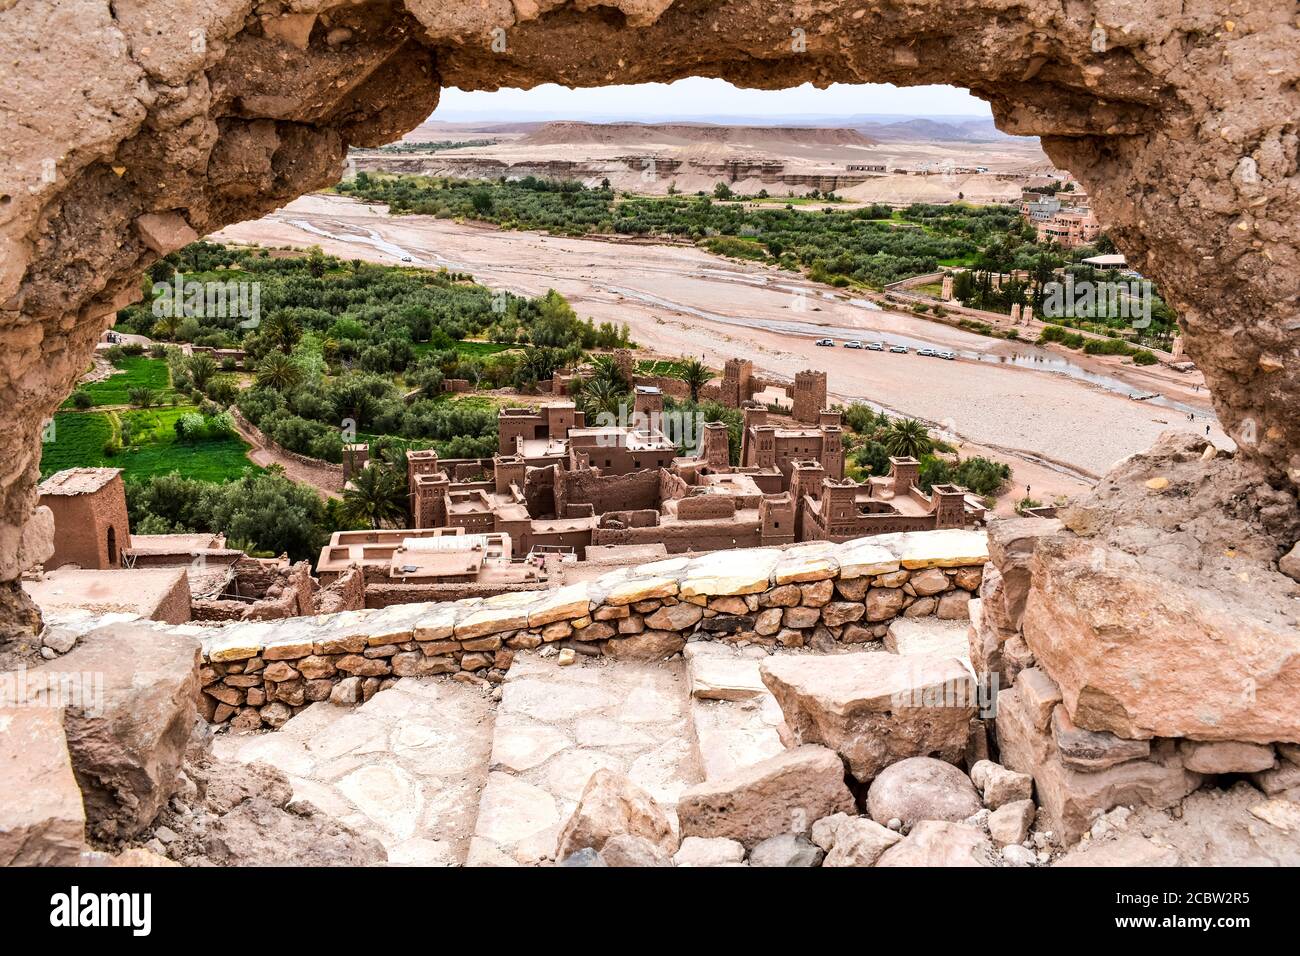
x=260, y=673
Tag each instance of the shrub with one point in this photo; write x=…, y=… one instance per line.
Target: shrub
x=81, y=399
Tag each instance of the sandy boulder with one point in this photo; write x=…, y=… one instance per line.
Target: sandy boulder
x=875, y=709
x=921, y=788
x=128, y=730
x=783, y=794
x=611, y=805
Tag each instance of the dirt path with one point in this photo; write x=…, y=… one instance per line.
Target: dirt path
x=326, y=479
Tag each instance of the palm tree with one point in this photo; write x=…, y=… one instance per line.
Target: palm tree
x=201, y=368
x=282, y=330
x=375, y=496
x=908, y=438
x=166, y=326
x=696, y=375
x=605, y=369
x=602, y=395
x=141, y=396
x=280, y=372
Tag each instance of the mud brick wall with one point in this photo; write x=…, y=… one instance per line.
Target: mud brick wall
x=261, y=673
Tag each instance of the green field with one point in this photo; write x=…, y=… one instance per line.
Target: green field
x=663, y=367
x=149, y=446
x=136, y=372
x=474, y=349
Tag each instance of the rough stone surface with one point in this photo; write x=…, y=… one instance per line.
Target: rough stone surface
x=126, y=746
x=1072, y=798
x=875, y=709
x=1160, y=612
x=940, y=843
x=404, y=769
x=612, y=805
x=1010, y=822
x=1226, y=756
x=783, y=794
x=625, y=849
x=709, y=851
x=786, y=849
x=42, y=822
x=859, y=842
x=921, y=788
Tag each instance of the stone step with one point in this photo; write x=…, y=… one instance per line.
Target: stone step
x=928, y=635
x=733, y=716
x=556, y=726
x=407, y=767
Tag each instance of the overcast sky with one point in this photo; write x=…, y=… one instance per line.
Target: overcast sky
x=707, y=97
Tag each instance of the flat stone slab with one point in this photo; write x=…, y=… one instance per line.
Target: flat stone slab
x=406, y=767
x=908, y=636
x=556, y=726
x=720, y=672
x=42, y=821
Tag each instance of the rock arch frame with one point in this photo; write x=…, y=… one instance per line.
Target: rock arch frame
x=131, y=127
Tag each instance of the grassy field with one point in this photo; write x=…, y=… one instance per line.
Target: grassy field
x=136, y=372
x=475, y=349
x=149, y=446
x=664, y=367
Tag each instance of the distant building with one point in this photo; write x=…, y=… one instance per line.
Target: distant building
x=91, y=527
x=1070, y=228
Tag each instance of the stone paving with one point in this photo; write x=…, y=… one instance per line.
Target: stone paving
x=735, y=718
x=556, y=726
x=407, y=767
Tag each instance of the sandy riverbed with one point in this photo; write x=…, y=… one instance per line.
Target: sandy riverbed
x=683, y=301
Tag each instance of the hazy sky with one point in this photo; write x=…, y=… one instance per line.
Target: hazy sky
x=707, y=97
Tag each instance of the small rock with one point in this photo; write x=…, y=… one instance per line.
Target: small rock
x=346, y=691
x=1003, y=786
x=612, y=805
x=785, y=849
x=567, y=657
x=1010, y=823
x=825, y=830
x=1018, y=856
x=584, y=857
x=709, y=851
x=860, y=842
x=166, y=835
x=1290, y=563
x=58, y=640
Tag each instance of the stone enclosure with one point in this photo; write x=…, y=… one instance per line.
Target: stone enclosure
x=260, y=673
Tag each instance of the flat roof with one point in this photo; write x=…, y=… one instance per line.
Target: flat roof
x=77, y=481
x=132, y=590
x=1116, y=260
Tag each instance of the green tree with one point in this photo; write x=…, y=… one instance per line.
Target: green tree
x=201, y=368
x=696, y=375
x=907, y=438
x=376, y=496
x=280, y=372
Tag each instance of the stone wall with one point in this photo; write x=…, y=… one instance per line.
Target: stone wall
x=1141, y=702
x=818, y=594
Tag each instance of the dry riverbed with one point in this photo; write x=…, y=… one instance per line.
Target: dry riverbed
x=1057, y=418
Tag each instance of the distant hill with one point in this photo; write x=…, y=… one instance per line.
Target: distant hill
x=933, y=131
x=685, y=134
